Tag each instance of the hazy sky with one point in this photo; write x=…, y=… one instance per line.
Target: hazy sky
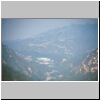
x=13, y=29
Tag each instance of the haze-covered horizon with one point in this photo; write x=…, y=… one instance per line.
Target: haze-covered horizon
x=15, y=29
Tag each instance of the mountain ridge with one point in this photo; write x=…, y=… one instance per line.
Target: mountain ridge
x=54, y=55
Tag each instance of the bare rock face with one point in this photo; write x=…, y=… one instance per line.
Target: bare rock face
x=90, y=63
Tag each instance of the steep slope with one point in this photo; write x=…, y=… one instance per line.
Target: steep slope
x=10, y=74
x=90, y=63
x=25, y=65
x=89, y=66
x=15, y=60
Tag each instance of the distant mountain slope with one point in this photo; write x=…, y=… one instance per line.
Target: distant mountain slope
x=58, y=54
x=72, y=40
x=10, y=74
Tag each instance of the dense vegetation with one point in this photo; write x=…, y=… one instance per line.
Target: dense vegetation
x=9, y=74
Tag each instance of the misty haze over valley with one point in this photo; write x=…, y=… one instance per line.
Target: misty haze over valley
x=67, y=52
